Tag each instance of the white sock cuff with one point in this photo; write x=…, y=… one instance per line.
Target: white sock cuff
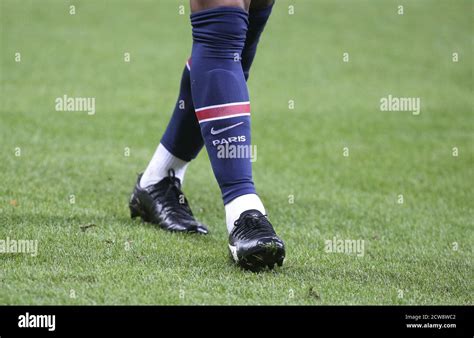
x=238, y=205
x=159, y=165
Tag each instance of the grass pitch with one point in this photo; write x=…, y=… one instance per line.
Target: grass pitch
x=334, y=166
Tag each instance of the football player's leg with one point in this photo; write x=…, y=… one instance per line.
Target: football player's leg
x=222, y=106
x=157, y=197
x=219, y=90
x=181, y=141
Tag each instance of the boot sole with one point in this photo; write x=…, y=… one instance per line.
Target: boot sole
x=262, y=257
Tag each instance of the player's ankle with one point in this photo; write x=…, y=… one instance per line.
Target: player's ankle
x=238, y=205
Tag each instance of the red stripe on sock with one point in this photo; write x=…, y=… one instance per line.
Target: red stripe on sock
x=222, y=111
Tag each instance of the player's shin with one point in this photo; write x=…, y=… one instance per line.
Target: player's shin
x=221, y=97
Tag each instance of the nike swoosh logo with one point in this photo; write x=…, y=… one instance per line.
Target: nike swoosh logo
x=218, y=131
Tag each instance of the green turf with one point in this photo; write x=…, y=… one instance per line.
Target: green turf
x=410, y=248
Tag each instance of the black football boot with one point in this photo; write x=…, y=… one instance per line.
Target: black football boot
x=253, y=243
x=164, y=204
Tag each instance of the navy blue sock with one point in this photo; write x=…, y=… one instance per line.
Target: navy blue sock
x=220, y=94
x=257, y=21
x=183, y=137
